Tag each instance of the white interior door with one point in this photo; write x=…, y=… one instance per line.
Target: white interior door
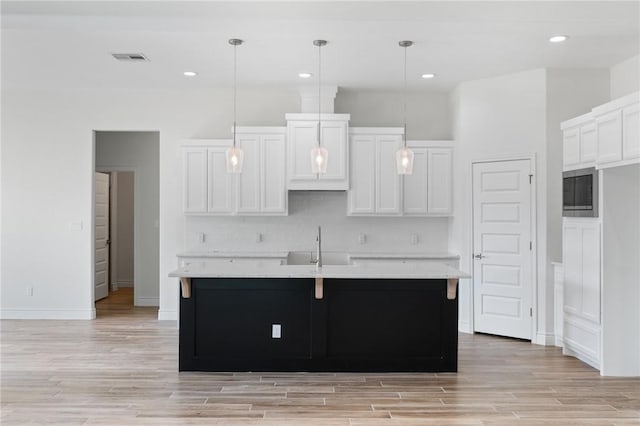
x=502, y=248
x=101, y=278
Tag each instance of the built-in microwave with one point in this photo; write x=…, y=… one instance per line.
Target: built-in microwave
x=580, y=193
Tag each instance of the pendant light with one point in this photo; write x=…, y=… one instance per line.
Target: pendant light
x=319, y=154
x=234, y=155
x=404, y=156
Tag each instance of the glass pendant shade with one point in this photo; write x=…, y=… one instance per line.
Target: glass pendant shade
x=234, y=156
x=404, y=161
x=319, y=157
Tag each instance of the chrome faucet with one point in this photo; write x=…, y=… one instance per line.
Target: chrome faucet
x=318, y=260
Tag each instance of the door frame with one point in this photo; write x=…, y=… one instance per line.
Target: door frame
x=136, y=221
x=534, y=237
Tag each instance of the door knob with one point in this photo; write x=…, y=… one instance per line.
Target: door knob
x=478, y=256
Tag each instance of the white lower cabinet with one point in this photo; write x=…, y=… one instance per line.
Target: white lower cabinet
x=582, y=289
x=259, y=190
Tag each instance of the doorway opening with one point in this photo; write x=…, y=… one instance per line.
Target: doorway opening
x=126, y=243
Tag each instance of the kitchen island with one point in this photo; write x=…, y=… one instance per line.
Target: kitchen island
x=271, y=317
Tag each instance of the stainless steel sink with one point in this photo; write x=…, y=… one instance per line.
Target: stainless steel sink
x=308, y=258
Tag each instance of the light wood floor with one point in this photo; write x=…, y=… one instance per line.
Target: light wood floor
x=121, y=369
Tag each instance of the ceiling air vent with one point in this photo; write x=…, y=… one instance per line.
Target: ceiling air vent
x=131, y=57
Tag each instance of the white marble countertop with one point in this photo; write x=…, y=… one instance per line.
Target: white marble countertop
x=228, y=254
x=269, y=270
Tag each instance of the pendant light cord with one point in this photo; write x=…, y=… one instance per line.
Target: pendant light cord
x=319, y=85
x=404, y=100
x=235, y=85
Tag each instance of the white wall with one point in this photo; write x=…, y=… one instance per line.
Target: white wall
x=140, y=151
x=428, y=115
x=124, y=231
x=48, y=154
x=625, y=77
x=513, y=115
x=495, y=117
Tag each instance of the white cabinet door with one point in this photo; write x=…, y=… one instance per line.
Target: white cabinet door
x=572, y=263
x=591, y=272
x=581, y=261
x=609, y=133
x=387, y=179
x=571, y=147
x=194, y=180
x=247, y=193
x=439, y=181
x=302, y=137
x=588, y=145
x=414, y=189
x=363, y=175
x=631, y=132
x=273, y=186
x=219, y=182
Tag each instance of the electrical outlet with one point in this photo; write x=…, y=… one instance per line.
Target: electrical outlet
x=201, y=237
x=276, y=331
x=258, y=237
x=29, y=291
x=414, y=239
x=362, y=238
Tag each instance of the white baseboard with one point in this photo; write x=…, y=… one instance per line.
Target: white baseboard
x=559, y=341
x=146, y=301
x=545, y=339
x=46, y=314
x=114, y=286
x=165, y=315
x=464, y=327
x=125, y=283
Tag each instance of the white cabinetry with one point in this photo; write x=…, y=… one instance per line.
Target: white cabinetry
x=302, y=133
x=258, y=190
x=582, y=290
x=617, y=130
x=377, y=189
x=375, y=184
x=579, y=142
x=429, y=190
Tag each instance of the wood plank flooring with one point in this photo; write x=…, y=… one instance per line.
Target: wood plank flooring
x=121, y=369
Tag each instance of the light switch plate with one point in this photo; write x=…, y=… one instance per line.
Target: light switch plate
x=414, y=239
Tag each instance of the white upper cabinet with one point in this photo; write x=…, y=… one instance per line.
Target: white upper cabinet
x=429, y=190
x=219, y=182
x=617, y=131
x=375, y=185
x=302, y=134
x=631, y=132
x=194, y=189
x=579, y=142
x=609, y=128
x=258, y=190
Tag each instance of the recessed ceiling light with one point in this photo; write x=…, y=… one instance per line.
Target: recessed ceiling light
x=305, y=75
x=428, y=75
x=558, y=38
x=190, y=73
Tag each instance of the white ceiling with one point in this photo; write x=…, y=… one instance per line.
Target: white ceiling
x=68, y=44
